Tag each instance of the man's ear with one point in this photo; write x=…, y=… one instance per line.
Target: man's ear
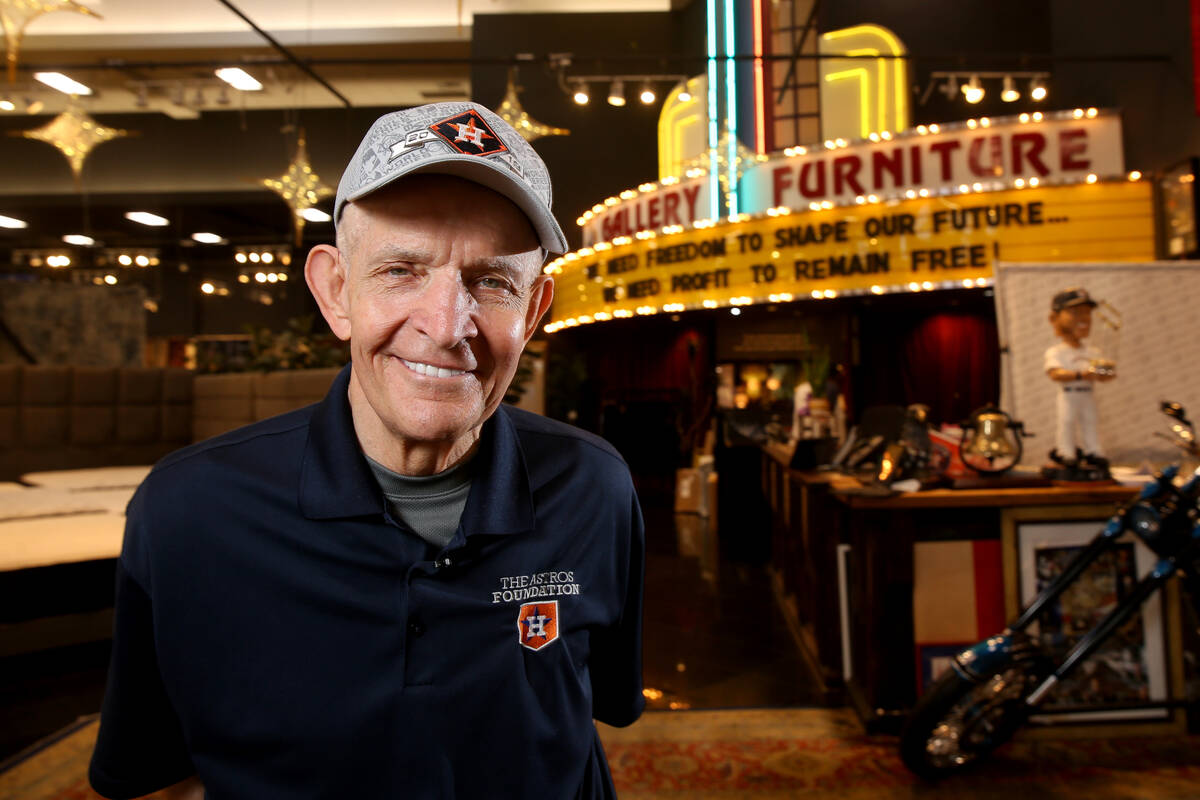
x=325, y=272
x=540, y=297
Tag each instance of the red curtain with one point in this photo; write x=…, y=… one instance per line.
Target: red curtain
x=947, y=360
x=952, y=364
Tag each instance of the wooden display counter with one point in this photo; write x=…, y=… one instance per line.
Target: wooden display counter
x=843, y=563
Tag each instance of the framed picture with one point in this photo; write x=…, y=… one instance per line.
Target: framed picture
x=1132, y=666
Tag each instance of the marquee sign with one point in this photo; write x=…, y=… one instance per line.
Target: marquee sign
x=657, y=205
x=909, y=244
x=1057, y=147
x=1064, y=149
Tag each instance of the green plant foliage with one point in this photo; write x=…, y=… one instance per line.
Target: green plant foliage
x=295, y=347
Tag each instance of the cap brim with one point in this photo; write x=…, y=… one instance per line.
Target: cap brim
x=498, y=179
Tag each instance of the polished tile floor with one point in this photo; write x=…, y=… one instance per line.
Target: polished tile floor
x=714, y=637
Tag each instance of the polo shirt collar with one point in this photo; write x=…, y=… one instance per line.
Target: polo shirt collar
x=501, y=501
x=336, y=482
x=335, y=479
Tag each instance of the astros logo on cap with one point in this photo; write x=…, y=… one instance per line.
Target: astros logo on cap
x=537, y=624
x=468, y=133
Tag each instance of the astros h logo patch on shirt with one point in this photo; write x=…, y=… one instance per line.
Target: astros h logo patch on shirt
x=537, y=624
x=468, y=133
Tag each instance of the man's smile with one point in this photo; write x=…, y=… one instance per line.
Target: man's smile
x=429, y=370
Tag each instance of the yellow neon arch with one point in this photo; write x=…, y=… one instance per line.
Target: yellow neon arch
x=887, y=76
x=677, y=139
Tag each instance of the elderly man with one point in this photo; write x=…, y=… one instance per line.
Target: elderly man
x=407, y=590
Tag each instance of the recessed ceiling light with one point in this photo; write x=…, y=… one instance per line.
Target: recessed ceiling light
x=146, y=218
x=12, y=222
x=239, y=79
x=56, y=80
x=79, y=239
x=207, y=238
x=315, y=215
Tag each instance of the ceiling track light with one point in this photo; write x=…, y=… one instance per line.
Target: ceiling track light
x=1037, y=89
x=1009, y=93
x=577, y=87
x=973, y=90
x=616, y=93
x=951, y=87
x=972, y=85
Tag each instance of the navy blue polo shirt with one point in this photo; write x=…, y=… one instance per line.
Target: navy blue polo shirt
x=279, y=634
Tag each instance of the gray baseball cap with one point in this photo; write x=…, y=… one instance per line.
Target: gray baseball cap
x=1069, y=298
x=462, y=139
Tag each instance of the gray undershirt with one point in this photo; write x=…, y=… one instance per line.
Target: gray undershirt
x=430, y=505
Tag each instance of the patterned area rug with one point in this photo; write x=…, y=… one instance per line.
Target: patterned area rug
x=761, y=755
x=824, y=755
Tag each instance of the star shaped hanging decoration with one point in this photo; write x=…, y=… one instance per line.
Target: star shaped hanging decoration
x=15, y=16
x=75, y=134
x=510, y=111
x=299, y=187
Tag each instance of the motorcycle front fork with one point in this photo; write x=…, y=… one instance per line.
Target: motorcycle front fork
x=1092, y=640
